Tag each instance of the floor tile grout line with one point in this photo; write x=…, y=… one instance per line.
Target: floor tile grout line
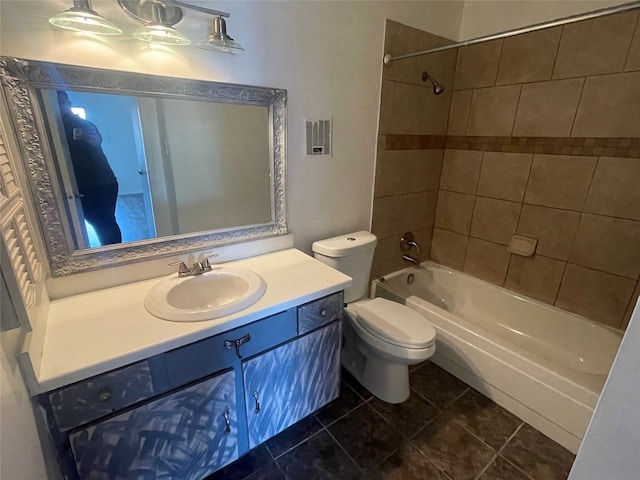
x=426, y=400
x=384, y=419
x=462, y=425
x=425, y=426
x=262, y=466
x=445, y=406
x=486, y=467
x=420, y=428
x=352, y=388
x=431, y=461
x=379, y=464
x=341, y=416
x=467, y=389
x=296, y=445
x=505, y=446
x=465, y=426
x=529, y=477
x=515, y=432
x=499, y=451
x=362, y=470
x=284, y=475
x=269, y=451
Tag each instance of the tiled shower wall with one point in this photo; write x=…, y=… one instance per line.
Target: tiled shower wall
x=543, y=140
x=411, y=140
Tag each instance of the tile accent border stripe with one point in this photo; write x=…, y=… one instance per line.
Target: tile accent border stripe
x=613, y=147
x=412, y=142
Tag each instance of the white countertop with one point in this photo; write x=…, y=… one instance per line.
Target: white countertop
x=96, y=332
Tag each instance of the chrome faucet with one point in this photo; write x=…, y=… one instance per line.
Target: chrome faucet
x=407, y=242
x=183, y=270
x=410, y=259
x=197, y=268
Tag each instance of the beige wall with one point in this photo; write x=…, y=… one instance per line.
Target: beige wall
x=485, y=17
x=543, y=140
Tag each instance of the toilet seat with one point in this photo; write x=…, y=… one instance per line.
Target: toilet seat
x=395, y=323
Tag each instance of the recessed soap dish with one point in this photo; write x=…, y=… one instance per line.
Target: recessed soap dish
x=524, y=246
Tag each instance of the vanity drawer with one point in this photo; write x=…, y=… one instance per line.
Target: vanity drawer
x=197, y=360
x=88, y=400
x=315, y=314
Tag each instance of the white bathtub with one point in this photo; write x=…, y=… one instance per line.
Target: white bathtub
x=543, y=364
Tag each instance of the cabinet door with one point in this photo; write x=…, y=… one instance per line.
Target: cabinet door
x=290, y=382
x=186, y=434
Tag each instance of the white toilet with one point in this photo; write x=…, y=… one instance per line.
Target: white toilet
x=381, y=338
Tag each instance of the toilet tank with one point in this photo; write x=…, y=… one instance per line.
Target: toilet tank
x=352, y=254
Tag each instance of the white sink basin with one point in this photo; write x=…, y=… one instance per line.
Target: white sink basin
x=222, y=291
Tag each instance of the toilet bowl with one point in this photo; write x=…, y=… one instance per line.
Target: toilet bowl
x=381, y=338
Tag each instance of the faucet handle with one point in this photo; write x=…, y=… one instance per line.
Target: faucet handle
x=408, y=241
x=205, y=261
x=182, y=268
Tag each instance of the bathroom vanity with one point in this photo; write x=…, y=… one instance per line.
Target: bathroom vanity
x=127, y=395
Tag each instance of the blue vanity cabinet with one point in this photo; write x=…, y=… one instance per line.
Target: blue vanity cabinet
x=289, y=382
x=186, y=434
x=187, y=412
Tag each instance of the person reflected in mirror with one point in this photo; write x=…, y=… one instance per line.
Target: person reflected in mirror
x=97, y=184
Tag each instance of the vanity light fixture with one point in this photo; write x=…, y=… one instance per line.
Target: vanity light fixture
x=218, y=39
x=159, y=31
x=158, y=17
x=82, y=18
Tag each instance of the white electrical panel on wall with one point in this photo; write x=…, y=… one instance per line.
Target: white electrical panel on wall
x=319, y=137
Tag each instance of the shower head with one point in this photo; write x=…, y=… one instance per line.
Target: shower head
x=437, y=87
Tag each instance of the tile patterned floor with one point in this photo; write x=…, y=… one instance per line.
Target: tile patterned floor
x=445, y=431
x=131, y=218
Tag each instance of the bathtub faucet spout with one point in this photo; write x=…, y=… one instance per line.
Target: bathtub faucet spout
x=407, y=242
x=410, y=259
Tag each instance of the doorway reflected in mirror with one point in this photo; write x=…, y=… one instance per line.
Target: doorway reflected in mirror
x=181, y=165
x=132, y=218
x=92, y=179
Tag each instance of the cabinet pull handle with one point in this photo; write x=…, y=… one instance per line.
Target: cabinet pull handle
x=227, y=423
x=257, y=409
x=105, y=395
x=229, y=344
x=323, y=312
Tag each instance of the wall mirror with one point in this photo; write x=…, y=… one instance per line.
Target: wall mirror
x=124, y=167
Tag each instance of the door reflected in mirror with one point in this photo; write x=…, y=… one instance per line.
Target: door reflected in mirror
x=134, y=168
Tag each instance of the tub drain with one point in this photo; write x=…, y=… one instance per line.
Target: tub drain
x=411, y=278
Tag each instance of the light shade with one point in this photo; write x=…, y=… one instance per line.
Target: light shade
x=161, y=34
x=81, y=18
x=219, y=40
x=159, y=31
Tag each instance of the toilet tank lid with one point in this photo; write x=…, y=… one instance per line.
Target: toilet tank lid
x=343, y=245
